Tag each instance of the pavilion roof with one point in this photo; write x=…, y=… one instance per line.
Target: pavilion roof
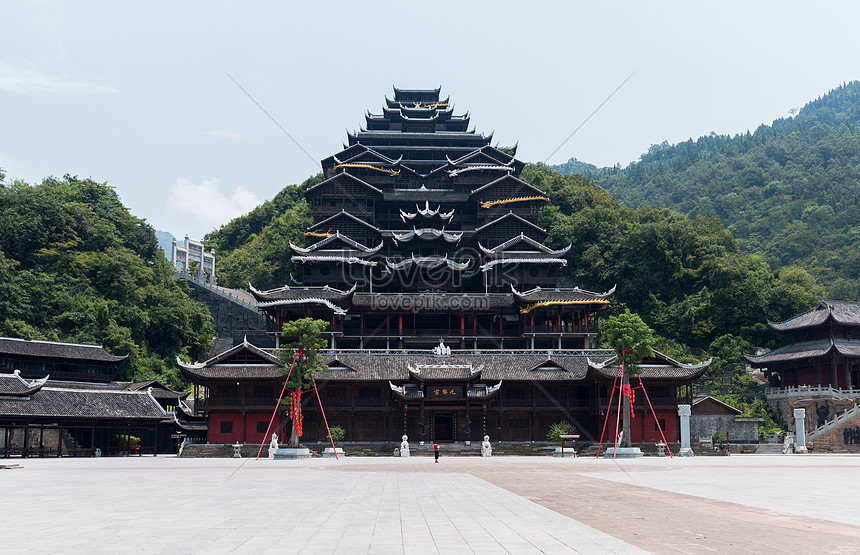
x=808, y=349
x=56, y=350
x=287, y=292
x=840, y=312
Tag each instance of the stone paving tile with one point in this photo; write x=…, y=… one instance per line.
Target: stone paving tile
x=500, y=505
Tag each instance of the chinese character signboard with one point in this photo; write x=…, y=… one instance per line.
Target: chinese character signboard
x=444, y=391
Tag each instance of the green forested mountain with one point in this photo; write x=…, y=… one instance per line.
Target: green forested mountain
x=76, y=266
x=789, y=192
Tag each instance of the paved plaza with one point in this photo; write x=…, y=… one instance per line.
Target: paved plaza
x=738, y=504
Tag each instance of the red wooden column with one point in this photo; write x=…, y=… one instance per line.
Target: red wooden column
x=462, y=323
x=400, y=323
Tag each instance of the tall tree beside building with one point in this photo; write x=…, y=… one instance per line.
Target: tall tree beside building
x=304, y=350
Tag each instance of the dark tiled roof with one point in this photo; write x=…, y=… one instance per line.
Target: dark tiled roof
x=57, y=402
x=16, y=386
x=807, y=349
x=52, y=349
x=494, y=367
x=231, y=371
x=842, y=312
x=659, y=367
x=444, y=371
x=291, y=293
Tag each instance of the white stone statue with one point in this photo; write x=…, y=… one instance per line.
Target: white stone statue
x=404, y=446
x=273, y=446
x=486, y=449
x=442, y=350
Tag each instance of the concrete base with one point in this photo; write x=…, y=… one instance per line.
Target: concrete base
x=622, y=453
x=292, y=453
x=567, y=453
x=800, y=449
x=329, y=453
x=686, y=452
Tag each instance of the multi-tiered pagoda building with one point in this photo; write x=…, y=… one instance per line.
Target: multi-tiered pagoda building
x=423, y=231
x=426, y=257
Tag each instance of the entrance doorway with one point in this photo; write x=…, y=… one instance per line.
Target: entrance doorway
x=443, y=427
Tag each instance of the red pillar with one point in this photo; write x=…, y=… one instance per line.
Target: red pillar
x=462, y=323
x=400, y=323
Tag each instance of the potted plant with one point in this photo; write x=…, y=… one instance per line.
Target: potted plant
x=558, y=433
x=335, y=436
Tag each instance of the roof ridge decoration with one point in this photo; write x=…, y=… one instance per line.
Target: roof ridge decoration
x=491, y=203
x=339, y=214
x=368, y=167
x=311, y=300
x=337, y=235
x=427, y=262
x=509, y=215
x=427, y=234
x=509, y=176
x=244, y=345
x=523, y=238
x=480, y=167
x=334, y=258
x=427, y=212
x=25, y=388
x=341, y=176
x=498, y=261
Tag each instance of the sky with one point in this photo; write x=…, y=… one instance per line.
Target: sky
x=140, y=95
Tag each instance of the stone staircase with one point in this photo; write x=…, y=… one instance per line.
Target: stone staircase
x=837, y=421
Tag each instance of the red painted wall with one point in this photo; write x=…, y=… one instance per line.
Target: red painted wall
x=244, y=431
x=642, y=429
x=215, y=420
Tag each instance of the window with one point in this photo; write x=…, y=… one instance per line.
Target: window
x=332, y=203
x=31, y=365
x=660, y=425
x=227, y=427
x=262, y=426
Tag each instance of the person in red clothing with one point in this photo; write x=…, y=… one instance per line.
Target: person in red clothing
x=436, y=451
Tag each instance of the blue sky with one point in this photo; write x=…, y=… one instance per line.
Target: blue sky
x=137, y=95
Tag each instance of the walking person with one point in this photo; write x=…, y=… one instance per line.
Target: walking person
x=436, y=451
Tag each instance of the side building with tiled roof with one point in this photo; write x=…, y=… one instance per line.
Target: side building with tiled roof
x=823, y=348
x=60, y=399
x=447, y=315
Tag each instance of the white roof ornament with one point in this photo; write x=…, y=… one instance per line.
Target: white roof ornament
x=442, y=350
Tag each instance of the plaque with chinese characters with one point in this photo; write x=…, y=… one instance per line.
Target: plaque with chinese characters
x=444, y=391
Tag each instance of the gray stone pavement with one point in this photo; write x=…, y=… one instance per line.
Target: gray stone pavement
x=746, y=504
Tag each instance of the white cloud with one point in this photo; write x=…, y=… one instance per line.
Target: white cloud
x=225, y=134
x=27, y=80
x=201, y=207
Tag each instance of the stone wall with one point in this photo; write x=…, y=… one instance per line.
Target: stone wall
x=738, y=429
x=233, y=320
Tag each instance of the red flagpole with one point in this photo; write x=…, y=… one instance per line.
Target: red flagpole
x=313, y=381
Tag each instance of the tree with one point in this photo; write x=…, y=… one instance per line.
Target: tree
x=304, y=350
x=632, y=340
